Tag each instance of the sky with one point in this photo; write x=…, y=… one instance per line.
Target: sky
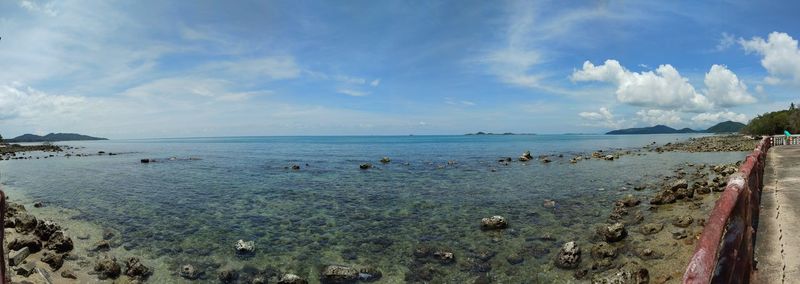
x=145, y=69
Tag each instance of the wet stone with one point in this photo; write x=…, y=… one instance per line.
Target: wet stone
x=569, y=256
x=189, y=272
x=683, y=221
x=613, y=233
x=228, y=276
x=107, y=268
x=515, y=258
x=338, y=274
x=651, y=228
x=292, y=279
x=494, y=223
x=54, y=260
x=603, y=250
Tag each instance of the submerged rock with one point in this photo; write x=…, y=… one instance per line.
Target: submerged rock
x=613, y=233
x=569, y=256
x=187, y=271
x=107, y=268
x=386, y=160
x=54, y=260
x=365, y=166
x=515, y=258
x=292, y=279
x=369, y=274
x=549, y=203
x=624, y=275
x=651, y=228
x=603, y=250
x=245, y=247
x=629, y=201
x=102, y=245
x=136, y=270
x=228, y=276
x=683, y=221
x=444, y=256
x=338, y=274
x=494, y=223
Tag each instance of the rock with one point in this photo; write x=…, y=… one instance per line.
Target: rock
x=16, y=257
x=45, y=229
x=548, y=203
x=683, y=221
x=365, y=166
x=295, y=167
x=569, y=256
x=678, y=184
x=291, y=279
x=243, y=247
x=108, y=234
x=69, y=274
x=145, y=161
x=369, y=274
x=25, y=222
x=515, y=258
x=187, y=271
x=623, y=275
x=613, y=233
x=31, y=242
x=648, y=254
x=663, y=197
x=386, y=160
x=444, y=257
x=651, y=228
x=682, y=193
x=26, y=269
x=545, y=160
x=38, y=204
x=629, y=201
x=227, y=276
x=608, y=157
x=679, y=234
x=102, y=245
x=107, y=268
x=136, y=270
x=494, y=223
x=603, y=250
x=526, y=156
x=55, y=260
x=338, y=274
x=59, y=243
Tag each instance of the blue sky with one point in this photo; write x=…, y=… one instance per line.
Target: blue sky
x=213, y=68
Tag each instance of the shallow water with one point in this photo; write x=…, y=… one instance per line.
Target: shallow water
x=330, y=212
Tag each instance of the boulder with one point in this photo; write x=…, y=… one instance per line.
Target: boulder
x=678, y=184
x=338, y=274
x=296, y=167
x=386, y=160
x=682, y=221
x=603, y=250
x=608, y=157
x=59, y=243
x=18, y=256
x=107, y=268
x=187, y=271
x=38, y=204
x=629, y=201
x=682, y=193
x=45, y=229
x=365, y=166
x=369, y=274
x=228, y=276
x=663, y=197
x=25, y=222
x=136, y=270
x=31, y=242
x=494, y=223
x=245, y=247
x=613, y=233
x=526, y=156
x=651, y=228
x=292, y=279
x=54, y=260
x=569, y=256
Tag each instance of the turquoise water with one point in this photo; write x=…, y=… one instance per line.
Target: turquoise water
x=331, y=212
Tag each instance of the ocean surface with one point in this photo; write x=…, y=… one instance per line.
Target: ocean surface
x=192, y=209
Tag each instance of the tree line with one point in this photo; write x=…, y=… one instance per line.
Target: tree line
x=775, y=122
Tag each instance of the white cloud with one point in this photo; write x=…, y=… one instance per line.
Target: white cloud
x=657, y=116
x=725, y=89
x=24, y=102
x=602, y=117
x=780, y=56
x=726, y=41
x=352, y=93
x=665, y=88
x=32, y=6
x=707, y=118
x=375, y=82
x=271, y=67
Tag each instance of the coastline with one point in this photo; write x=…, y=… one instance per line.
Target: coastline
x=630, y=250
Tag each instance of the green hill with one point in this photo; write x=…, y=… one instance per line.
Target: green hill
x=775, y=122
x=726, y=127
x=52, y=137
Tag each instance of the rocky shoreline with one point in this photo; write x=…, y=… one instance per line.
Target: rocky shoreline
x=647, y=237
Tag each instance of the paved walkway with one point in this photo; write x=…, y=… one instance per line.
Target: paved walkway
x=778, y=239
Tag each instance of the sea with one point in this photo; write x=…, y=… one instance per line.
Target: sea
x=201, y=195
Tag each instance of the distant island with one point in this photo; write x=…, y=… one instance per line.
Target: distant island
x=722, y=127
x=506, y=133
x=52, y=137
